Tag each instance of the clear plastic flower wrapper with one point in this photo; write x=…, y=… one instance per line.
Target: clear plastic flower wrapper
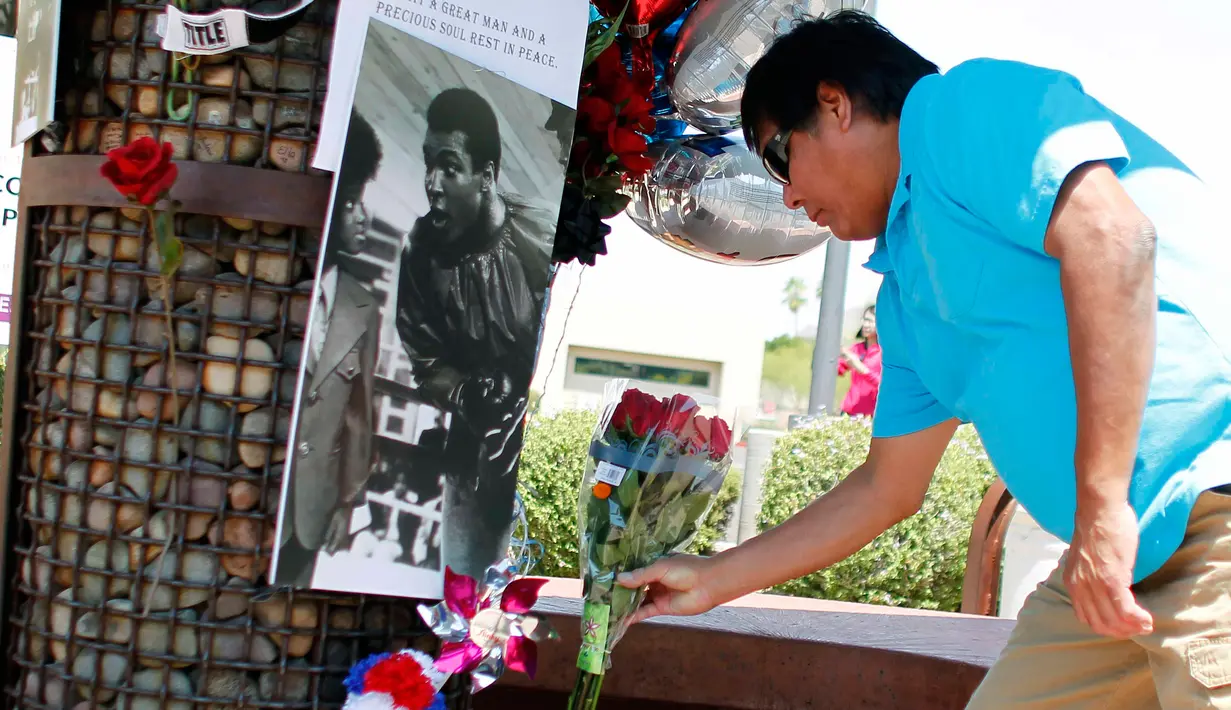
x=655, y=468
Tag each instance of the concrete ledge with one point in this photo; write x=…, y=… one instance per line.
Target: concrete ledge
x=797, y=654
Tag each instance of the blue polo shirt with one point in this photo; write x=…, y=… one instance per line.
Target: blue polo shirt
x=970, y=313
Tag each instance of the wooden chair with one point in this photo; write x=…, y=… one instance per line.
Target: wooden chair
x=981, y=587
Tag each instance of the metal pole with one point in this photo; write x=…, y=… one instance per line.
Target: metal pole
x=829, y=328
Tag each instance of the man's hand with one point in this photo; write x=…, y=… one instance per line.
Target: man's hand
x=677, y=587
x=1099, y=572
x=337, y=535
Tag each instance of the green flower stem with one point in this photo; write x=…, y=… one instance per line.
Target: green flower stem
x=585, y=691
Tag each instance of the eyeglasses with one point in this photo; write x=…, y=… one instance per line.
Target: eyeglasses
x=777, y=159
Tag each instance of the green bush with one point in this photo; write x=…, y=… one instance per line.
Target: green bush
x=918, y=563
x=552, y=464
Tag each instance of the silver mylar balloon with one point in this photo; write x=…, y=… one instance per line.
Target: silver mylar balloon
x=719, y=43
x=709, y=196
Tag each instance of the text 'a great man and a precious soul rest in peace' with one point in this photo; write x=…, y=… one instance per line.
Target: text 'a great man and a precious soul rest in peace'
x=480, y=29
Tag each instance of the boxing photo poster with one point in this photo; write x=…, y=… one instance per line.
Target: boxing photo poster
x=427, y=306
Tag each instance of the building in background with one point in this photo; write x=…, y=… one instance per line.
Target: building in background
x=673, y=323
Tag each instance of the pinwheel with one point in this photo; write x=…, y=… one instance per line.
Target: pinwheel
x=489, y=628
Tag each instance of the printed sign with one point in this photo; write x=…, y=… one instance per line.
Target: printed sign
x=38, y=38
x=534, y=43
x=10, y=186
x=428, y=304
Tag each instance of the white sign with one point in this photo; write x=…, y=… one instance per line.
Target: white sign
x=537, y=44
x=10, y=183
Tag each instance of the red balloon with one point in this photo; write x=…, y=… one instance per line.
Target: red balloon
x=643, y=16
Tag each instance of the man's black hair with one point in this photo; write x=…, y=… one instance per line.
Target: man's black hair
x=466, y=111
x=848, y=48
x=363, y=156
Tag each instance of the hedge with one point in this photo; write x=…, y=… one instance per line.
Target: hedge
x=918, y=563
x=552, y=464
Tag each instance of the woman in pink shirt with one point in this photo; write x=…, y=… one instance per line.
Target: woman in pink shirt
x=863, y=361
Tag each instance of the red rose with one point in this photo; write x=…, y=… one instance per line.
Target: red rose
x=636, y=165
x=644, y=412
x=701, y=427
x=720, y=438
x=595, y=113
x=609, y=71
x=679, y=410
x=636, y=114
x=142, y=170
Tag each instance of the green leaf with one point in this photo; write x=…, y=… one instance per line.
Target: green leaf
x=609, y=183
x=170, y=248
x=612, y=205
x=600, y=44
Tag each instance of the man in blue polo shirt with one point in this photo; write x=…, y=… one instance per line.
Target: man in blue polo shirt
x=1055, y=276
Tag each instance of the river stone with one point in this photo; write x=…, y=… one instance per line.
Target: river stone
x=220, y=377
x=244, y=534
x=152, y=329
x=271, y=267
x=102, y=513
x=244, y=495
x=290, y=151
x=229, y=302
x=150, y=62
x=116, y=289
x=209, y=417
x=288, y=377
x=70, y=250
x=153, y=680
x=49, y=464
x=303, y=41
x=82, y=361
x=154, y=637
x=185, y=380
x=211, y=147
x=234, y=602
x=47, y=684
x=285, y=113
x=95, y=587
x=202, y=491
x=201, y=229
x=197, y=567
x=226, y=685
x=292, y=76
x=33, y=645
x=264, y=423
x=229, y=645
x=51, y=504
x=196, y=263
x=293, y=686
x=300, y=305
x=303, y=615
x=123, y=28
x=127, y=246
x=139, y=446
x=144, y=100
x=36, y=571
x=114, y=668
x=63, y=616
x=223, y=77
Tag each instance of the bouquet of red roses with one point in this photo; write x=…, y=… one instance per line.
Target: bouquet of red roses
x=655, y=468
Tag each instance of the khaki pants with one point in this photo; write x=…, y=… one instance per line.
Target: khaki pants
x=1055, y=662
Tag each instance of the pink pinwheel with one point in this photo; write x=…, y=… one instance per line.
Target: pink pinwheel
x=491, y=627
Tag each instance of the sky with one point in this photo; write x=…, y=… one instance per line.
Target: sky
x=1165, y=71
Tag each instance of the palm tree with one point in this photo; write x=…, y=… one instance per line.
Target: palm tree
x=795, y=298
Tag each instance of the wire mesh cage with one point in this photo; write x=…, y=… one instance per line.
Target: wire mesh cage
x=147, y=484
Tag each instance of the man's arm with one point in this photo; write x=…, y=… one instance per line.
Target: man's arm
x=887, y=488
x=1105, y=246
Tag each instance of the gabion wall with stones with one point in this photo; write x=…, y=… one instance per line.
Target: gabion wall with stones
x=147, y=492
